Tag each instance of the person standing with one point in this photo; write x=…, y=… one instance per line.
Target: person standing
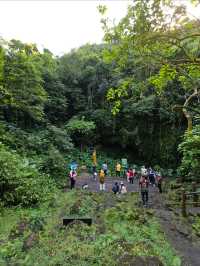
x=144, y=171
x=102, y=180
x=144, y=186
x=128, y=175
x=94, y=168
x=72, y=176
x=151, y=176
x=94, y=172
x=118, y=169
x=131, y=175
x=95, y=175
x=105, y=168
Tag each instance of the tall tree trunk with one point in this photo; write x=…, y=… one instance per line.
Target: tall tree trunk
x=187, y=113
x=189, y=119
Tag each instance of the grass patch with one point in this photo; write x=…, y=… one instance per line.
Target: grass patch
x=120, y=233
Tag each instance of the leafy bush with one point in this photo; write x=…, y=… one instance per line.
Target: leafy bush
x=53, y=164
x=20, y=183
x=60, y=138
x=45, y=148
x=190, y=148
x=35, y=142
x=80, y=129
x=196, y=226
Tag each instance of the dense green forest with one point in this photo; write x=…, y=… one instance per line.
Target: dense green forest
x=136, y=95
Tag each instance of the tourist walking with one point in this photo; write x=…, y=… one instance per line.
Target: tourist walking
x=131, y=175
x=102, y=180
x=118, y=169
x=151, y=176
x=72, y=176
x=128, y=176
x=144, y=171
x=105, y=168
x=94, y=172
x=144, y=187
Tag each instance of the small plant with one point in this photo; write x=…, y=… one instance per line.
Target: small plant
x=196, y=226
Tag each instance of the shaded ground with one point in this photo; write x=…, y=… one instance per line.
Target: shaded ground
x=178, y=232
x=176, y=229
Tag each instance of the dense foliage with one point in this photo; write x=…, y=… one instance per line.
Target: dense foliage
x=119, y=235
x=190, y=147
x=155, y=51
x=135, y=96
x=20, y=182
x=148, y=68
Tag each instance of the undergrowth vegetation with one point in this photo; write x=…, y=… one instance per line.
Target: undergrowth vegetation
x=120, y=96
x=21, y=182
x=120, y=233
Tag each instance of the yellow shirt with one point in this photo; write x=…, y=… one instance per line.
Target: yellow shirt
x=101, y=177
x=118, y=167
x=102, y=174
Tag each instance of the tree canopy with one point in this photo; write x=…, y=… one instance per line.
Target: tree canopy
x=134, y=95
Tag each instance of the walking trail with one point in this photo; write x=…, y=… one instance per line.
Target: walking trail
x=177, y=230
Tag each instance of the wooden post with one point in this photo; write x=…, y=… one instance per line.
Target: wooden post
x=183, y=203
x=195, y=196
x=197, y=200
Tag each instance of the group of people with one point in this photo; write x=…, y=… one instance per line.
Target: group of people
x=119, y=189
x=146, y=178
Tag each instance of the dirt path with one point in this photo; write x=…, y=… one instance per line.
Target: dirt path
x=93, y=185
x=177, y=233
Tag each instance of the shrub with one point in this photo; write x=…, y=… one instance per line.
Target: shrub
x=53, y=164
x=20, y=183
x=190, y=148
x=80, y=130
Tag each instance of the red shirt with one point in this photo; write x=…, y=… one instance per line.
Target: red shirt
x=144, y=183
x=131, y=174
